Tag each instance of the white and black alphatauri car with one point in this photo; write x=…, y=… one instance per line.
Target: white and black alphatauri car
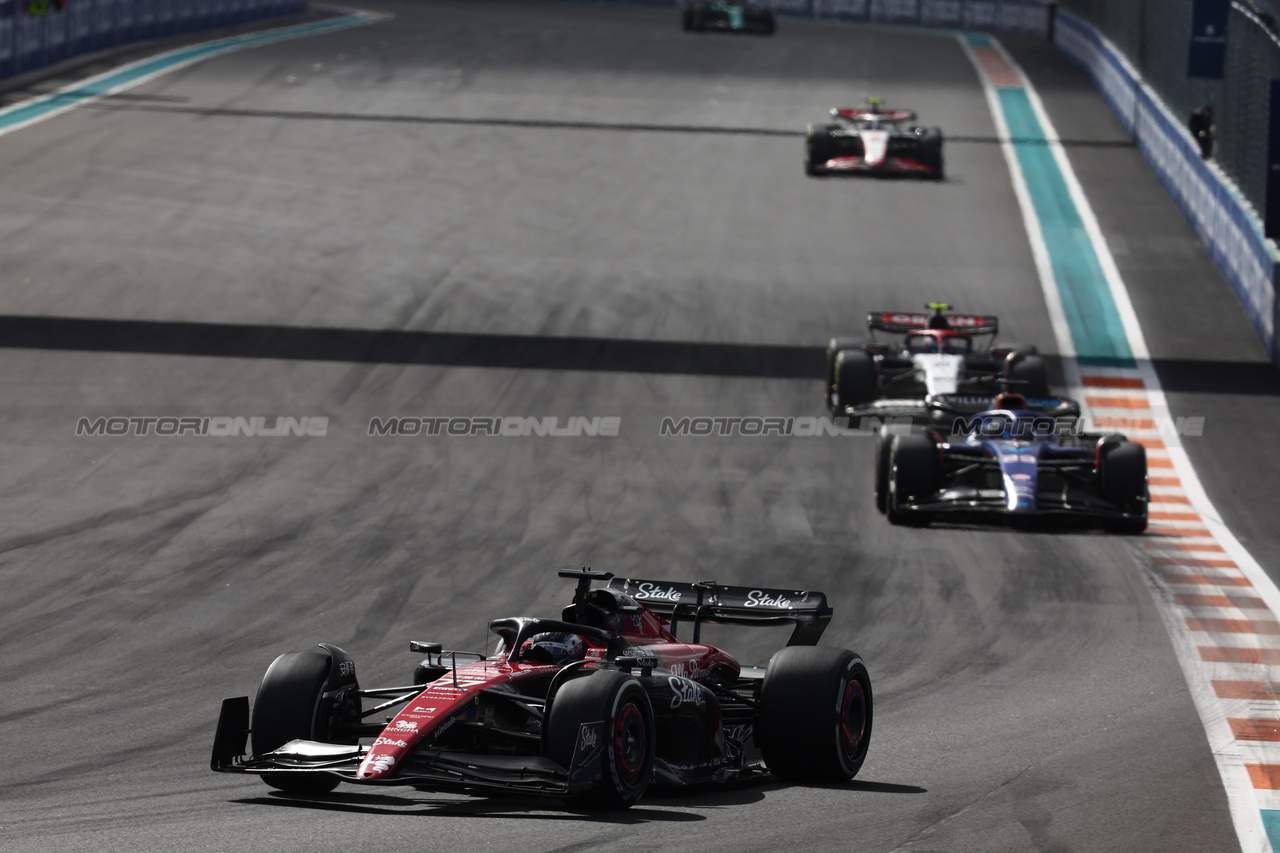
x=873, y=140
x=945, y=364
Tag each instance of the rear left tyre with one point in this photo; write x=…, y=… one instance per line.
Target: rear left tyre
x=813, y=721
x=818, y=148
x=855, y=381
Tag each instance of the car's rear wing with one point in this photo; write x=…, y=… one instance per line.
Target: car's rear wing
x=899, y=322
x=883, y=115
x=708, y=601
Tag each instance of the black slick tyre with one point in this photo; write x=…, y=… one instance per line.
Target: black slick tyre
x=817, y=148
x=835, y=346
x=625, y=762
x=290, y=706
x=913, y=476
x=855, y=380
x=1029, y=375
x=813, y=724
x=884, y=444
x=1122, y=480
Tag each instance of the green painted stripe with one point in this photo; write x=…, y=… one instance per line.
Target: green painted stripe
x=125, y=75
x=1096, y=330
x=1271, y=823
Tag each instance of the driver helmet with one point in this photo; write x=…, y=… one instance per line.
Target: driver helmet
x=553, y=648
x=1009, y=401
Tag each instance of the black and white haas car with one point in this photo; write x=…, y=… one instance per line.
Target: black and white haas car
x=874, y=140
x=730, y=16
x=945, y=364
x=594, y=706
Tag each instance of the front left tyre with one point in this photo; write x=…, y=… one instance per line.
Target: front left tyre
x=624, y=766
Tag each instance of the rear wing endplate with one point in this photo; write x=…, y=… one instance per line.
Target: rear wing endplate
x=708, y=601
x=899, y=322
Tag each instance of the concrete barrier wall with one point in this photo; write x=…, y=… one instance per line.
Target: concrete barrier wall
x=35, y=33
x=1225, y=222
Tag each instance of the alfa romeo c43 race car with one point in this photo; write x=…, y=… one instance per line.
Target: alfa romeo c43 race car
x=1015, y=463
x=873, y=140
x=938, y=369
x=728, y=16
x=593, y=707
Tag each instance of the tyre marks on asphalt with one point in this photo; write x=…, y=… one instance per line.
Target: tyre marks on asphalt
x=1217, y=603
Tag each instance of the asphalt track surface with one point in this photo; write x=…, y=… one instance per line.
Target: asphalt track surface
x=473, y=171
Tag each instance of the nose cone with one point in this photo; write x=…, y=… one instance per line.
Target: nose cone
x=376, y=765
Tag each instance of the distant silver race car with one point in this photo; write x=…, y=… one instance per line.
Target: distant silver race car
x=873, y=140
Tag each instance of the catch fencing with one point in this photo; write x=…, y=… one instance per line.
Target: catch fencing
x=1155, y=37
x=36, y=33
x=1222, y=197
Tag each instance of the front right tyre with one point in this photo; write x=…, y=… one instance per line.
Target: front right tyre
x=291, y=705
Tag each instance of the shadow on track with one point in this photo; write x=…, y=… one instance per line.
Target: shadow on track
x=526, y=352
x=491, y=807
x=135, y=103
x=374, y=346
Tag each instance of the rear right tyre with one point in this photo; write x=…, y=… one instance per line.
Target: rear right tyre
x=1029, y=375
x=813, y=721
x=1122, y=480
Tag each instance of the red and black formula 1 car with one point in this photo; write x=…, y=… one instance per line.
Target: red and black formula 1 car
x=873, y=140
x=939, y=369
x=594, y=706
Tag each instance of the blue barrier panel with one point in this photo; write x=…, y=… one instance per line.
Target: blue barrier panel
x=55, y=34
x=29, y=39
x=942, y=13
x=145, y=24
x=104, y=28
x=221, y=13
x=126, y=28
x=203, y=14
x=8, y=14
x=165, y=17
x=184, y=16
x=79, y=33
x=895, y=11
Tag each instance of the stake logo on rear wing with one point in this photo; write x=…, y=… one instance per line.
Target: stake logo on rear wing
x=899, y=322
x=707, y=601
